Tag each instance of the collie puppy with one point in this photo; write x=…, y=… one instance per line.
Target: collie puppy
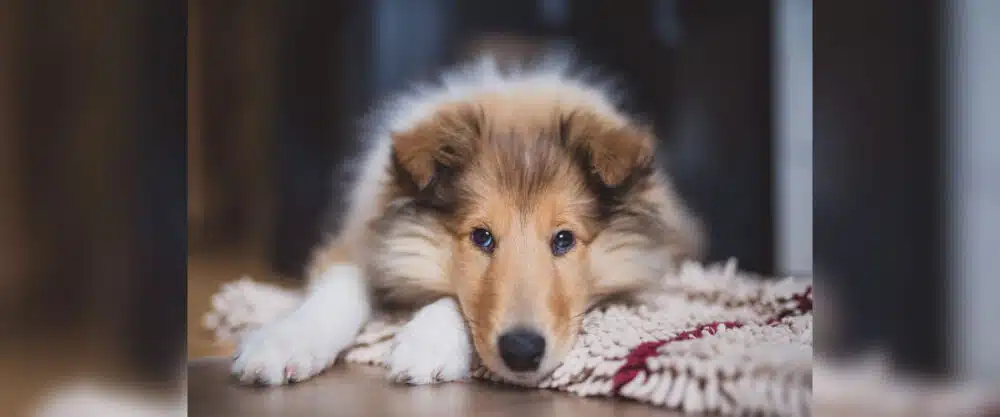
x=503, y=203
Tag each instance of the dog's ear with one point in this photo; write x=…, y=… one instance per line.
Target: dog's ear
x=611, y=151
x=617, y=154
x=443, y=141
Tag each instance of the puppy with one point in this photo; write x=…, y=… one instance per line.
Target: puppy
x=503, y=203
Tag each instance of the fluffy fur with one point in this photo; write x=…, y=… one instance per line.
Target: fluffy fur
x=524, y=153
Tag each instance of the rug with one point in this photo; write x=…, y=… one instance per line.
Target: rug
x=712, y=340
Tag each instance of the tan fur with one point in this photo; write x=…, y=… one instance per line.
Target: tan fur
x=524, y=165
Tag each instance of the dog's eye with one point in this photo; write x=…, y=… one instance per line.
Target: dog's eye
x=483, y=239
x=562, y=242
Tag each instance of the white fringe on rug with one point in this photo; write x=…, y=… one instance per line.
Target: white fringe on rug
x=713, y=340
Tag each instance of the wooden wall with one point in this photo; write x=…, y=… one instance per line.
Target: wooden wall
x=231, y=116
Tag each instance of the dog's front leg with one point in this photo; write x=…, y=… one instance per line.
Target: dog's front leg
x=433, y=347
x=308, y=339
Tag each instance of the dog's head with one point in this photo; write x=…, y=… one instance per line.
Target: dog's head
x=543, y=208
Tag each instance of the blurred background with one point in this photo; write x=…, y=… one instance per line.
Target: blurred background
x=92, y=192
x=906, y=205
x=906, y=201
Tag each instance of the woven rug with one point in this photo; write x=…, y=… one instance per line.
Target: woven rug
x=712, y=340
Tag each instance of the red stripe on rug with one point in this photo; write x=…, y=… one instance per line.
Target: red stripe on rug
x=635, y=361
x=803, y=304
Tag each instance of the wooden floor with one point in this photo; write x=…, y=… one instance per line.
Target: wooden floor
x=363, y=391
x=350, y=390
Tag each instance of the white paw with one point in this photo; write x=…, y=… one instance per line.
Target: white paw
x=243, y=306
x=283, y=352
x=433, y=347
x=308, y=340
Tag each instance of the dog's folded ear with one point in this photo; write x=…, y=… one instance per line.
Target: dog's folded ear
x=442, y=142
x=611, y=151
x=617, y=154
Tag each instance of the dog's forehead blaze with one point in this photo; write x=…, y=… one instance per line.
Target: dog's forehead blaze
x=504, y=197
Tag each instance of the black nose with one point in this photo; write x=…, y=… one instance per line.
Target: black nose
x=521, y=349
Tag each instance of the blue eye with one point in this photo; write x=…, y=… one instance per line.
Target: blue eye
x=562, y=242
x=483, y=239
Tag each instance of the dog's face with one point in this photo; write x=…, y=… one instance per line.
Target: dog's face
x=540, y=205
x=523, y=224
